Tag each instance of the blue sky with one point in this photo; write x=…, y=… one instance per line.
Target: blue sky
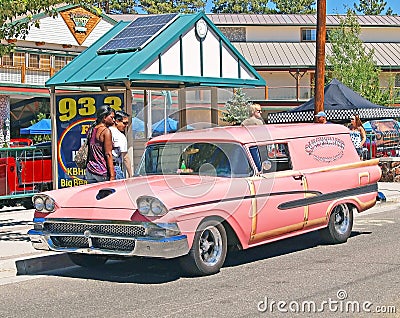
x=338, y=6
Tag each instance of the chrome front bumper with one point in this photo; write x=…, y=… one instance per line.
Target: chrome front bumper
x=165, y=247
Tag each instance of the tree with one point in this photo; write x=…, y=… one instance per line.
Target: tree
x=264, y=6
x=294, y=6
x=16, y=17
x=372, y=7
x=352, y=64
x=237, y=108
x=241, y=6
x=172, y=6
x=118, y=6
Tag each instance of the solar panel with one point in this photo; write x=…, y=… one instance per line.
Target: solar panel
x=138, y=33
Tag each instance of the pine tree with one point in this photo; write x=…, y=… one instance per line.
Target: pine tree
x=264, y=6
x=294, y=6
x=118, y=6
x=241, y=6
x=172, y=6
x=237, y=108
x=372, y=7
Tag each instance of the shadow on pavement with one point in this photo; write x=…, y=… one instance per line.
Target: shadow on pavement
x=11, y=230
x=158, y=271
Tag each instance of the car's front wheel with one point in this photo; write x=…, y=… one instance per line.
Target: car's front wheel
x=208, y=251
x=86, y=260
x=340, y=225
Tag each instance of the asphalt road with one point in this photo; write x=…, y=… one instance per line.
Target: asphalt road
x=355, y=279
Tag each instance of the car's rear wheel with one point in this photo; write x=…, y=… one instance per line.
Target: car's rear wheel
x=86, y=260
x=340, y=225
x=208, y=251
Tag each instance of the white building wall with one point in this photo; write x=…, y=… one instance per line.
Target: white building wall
x=273, y=34
x=384, y=34
x=52, y=30
x=293, y=33
x=55, y=30
x=101, y=28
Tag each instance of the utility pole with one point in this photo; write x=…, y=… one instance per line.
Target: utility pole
x=320, y=57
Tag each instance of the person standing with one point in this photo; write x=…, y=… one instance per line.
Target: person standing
x=357, y=134
x=100, y=162
x=255, y=117
x=321, y=118
x=120, y=145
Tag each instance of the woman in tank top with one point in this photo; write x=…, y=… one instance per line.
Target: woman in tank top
x=357, y=134
x=100, y=162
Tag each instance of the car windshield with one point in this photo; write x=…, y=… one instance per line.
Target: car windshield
x=217, y=159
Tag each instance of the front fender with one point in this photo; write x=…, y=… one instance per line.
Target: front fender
x=188, y=225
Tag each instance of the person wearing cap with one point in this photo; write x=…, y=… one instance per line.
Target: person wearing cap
x=321, y=117
x=255, y=117
x=100, y=165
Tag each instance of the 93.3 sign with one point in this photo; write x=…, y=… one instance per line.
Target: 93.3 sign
x=69, y=107
x=74, y=115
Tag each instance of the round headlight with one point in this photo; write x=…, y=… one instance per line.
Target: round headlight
x=157, y=207
x=143, y=206
x=150, y=206
x=38, y=203
x=49, y=204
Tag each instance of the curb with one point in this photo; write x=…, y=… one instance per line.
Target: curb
x=41, y=264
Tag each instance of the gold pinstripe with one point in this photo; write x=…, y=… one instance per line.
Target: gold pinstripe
x=306, y=223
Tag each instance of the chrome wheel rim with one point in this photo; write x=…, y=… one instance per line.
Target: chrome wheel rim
x=210, y=246
x=342, y=218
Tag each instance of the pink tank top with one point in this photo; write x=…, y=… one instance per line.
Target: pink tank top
x=97, y=160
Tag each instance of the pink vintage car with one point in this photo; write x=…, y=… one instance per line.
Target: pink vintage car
x=199, y=192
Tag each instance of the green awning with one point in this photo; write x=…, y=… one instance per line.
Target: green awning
x=178, y=56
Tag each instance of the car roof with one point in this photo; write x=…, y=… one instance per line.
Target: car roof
x=251, y=134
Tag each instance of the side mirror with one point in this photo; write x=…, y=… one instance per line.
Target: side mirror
x=266, y=166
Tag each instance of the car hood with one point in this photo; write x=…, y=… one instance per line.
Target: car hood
x=175, y=191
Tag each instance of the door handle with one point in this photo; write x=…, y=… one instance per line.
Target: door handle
x=298, y=177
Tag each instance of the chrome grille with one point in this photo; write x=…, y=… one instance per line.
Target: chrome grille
x=106, y=229
x=70, y=241
x=71, y=235
x=101, y=243
x=113, y=244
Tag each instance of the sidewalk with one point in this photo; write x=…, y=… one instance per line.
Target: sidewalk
x=18, y=257
x=391, y=190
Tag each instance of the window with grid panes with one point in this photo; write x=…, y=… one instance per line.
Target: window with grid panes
x=397, y=80
x=308, y=35
x=59, y=62
x=44, y=61
x=33, y=60
x=18, y=59
x=7, y=60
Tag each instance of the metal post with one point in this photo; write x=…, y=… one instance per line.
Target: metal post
x=4, y=118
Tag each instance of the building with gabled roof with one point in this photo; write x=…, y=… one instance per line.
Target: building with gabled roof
x=282, y=49
x=40, y=55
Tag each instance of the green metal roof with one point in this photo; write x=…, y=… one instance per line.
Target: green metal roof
x=132, y=68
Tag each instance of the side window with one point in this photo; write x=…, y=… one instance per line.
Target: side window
x=278, y=155
x=255, y=153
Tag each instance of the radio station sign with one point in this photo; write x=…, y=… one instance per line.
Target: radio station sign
x=75, y=113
